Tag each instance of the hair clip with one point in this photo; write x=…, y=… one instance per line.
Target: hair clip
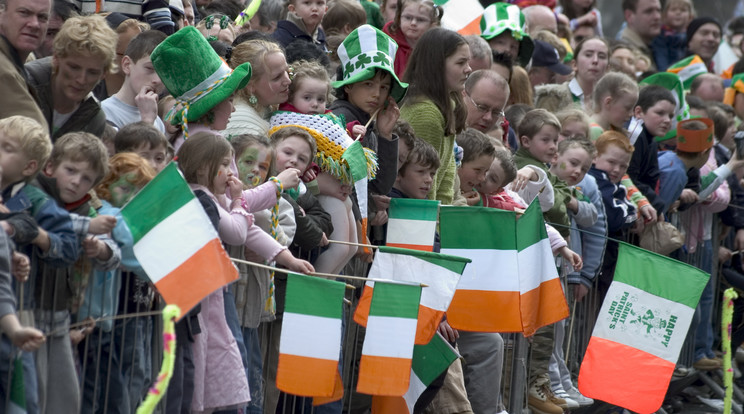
x=291, y=73
x=209, y=21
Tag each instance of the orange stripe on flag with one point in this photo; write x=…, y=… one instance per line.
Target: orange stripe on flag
x=624, y=376
x=428, y=322
x=543, y=305
x=206, y=271
x=485, y=311
x=383, y=404
x=473, y=28
x=338, y=392
x=362, y=310
x=420, y=247
x=383, y=375
x=308, y=377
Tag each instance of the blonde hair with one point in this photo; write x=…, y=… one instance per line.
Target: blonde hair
x=553, y=40
x=535, y=120
x=615, y=85
x=282, y=134
x=132, y=24
x=33, y=138
x=87, y=35
x=255, y=52
x=304, y=69
x=668, y=5
x=574, y=115
x=81, y=147
x=520, y=87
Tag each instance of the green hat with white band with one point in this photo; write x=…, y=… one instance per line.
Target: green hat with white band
x=688, y=69
x=503, y=16
x=195, y=75
x=365, y=50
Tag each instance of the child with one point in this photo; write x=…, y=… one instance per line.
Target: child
x=478, y=154
x=144, y=140
x=219, y=377
x=137, y=100
x=622, y=58
x=614, y=98
x=574, y=124
x=671, y=44
x=416, y=172
x=414, y=19
x=127, y=174
x=303, y=23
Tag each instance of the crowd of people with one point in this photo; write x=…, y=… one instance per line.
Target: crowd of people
x=295, y=124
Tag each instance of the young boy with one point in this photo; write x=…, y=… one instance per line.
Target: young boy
x=478, y=154
x=144, y=140
x=303, y=23
x=538, y=136
x=416, y=172
x=137, y=100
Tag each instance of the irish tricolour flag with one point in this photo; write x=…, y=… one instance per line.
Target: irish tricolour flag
x=512, y=284
x=462, y=16
x=310, y=343
x=440, y=272
x=640, y=330
x=412, y=223
x=175, y=242
x=385, y=366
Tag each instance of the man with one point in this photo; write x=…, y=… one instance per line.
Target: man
x=643, y=18
x=708, y=87
x=703, y=39
x=546, y=64
x=61, y=11
x=538, y=18
x=23, y=25
x=480, y=53
x=485, y=96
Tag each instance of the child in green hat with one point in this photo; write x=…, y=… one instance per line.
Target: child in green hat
x=503, y=25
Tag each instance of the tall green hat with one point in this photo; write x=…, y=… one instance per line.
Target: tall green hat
x=195, y=75
x=672, y=82
x=362, y=52
x=503, y=16
x=688, y=69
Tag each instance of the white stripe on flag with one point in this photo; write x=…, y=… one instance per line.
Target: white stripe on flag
x=193, y=234
x=536, y=265
x=297, y=328
x=458, y=14
x=418, y=232
x=392, y=337
x=491, y=270
x=695, y=68
x=641, y=320
x=441, y=281
x=415, y=389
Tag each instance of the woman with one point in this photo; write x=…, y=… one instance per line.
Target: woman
x=84, y=52
x=268, y=87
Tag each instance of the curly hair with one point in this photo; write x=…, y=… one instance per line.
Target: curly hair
x=90, y=36
x=130, y=165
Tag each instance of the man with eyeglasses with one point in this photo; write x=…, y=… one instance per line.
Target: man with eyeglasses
x=485, y=96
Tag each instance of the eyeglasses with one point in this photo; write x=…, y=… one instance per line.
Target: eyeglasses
x=497, y=114
x=413, y=19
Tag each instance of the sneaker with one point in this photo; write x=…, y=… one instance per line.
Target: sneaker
x=541, y=398
x=577, y=396
x=707, y=364
x=680, y=371
x=570, y=402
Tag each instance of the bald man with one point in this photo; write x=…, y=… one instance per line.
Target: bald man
x=540, y=18
x=708, y=87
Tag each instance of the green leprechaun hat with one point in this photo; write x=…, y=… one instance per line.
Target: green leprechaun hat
x=503, y=16
x=688, y=69
x=672, y=82
x=362, y=52
x=195, y=75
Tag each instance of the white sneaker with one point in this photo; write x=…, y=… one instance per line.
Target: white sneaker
x=570, y=402
x=575, y=395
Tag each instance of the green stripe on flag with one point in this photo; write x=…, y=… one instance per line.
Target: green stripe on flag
x=477, y=228
x=430, y=360
x=160, y=198
x=531, y=227
x=452, y=263
x=309, y=295
x=397, y=301
x=413, y=209
x=651, y=272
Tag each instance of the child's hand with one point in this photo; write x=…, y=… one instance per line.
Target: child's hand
x=324, y=241
x=472, y=197
x=147, y=102
x=294, y=264
x=290, y=178
x=648, y=212
x=382, y=202
x=358, y=132
x=387, y=118
x=77, y=335
x=524, y=175
x=579, y=291
x=589, y=19
x=235, y=187
x=28, y=339
x=310, y=175
x=380, y=218
x=21, y=266
x=102, y=224
x=688, y=196
x=573, y=205
x=96, y=248
x=571, y=257
x=724, y=254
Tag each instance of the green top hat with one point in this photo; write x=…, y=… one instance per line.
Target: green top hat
x=503, y=16
x=362, y=52
x=195, y=75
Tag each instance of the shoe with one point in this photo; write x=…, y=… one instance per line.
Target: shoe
x=680, y=371
x=707, y=364
x=541, y=399
x=577, y=396
x=570, y=402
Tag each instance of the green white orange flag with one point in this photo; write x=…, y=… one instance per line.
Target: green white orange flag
x=310, y=342
x=512, y=284
x=175, y=242
x=640, y=330
x=440, y=272
x=462, y=16
x=429, y=362
x=385, y=366
x=412, y=223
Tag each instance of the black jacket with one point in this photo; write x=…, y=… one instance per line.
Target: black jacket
x=644, y=168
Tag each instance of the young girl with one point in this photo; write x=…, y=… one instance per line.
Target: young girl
x=437, y=71
x=591, y=59
x=623, y=58
x=671, y=45
x=412, y=19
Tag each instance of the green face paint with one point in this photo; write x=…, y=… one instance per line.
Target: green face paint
x=122, y=190
x=562, y=166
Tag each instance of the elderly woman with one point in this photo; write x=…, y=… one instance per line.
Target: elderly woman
x=84, y=52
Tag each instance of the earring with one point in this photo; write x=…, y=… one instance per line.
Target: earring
x=253, y=100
